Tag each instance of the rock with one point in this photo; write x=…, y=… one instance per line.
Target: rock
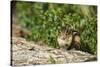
x=30, y=53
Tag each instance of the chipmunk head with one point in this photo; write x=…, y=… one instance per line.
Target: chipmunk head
x=64, y=38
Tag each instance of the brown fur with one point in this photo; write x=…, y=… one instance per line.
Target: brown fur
x=64, y=40
x=76, y=41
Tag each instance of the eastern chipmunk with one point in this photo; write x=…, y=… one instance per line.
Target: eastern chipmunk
x=68, y=39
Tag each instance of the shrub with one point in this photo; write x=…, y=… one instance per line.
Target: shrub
x=45, y=19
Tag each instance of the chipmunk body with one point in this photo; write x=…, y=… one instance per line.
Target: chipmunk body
x=76, y=41
x=64, y=39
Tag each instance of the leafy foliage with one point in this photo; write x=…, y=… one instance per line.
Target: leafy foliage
x=45, y=19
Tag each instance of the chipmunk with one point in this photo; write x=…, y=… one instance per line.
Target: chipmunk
x=76, y=41
x=64, y=39
x=68, y=39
